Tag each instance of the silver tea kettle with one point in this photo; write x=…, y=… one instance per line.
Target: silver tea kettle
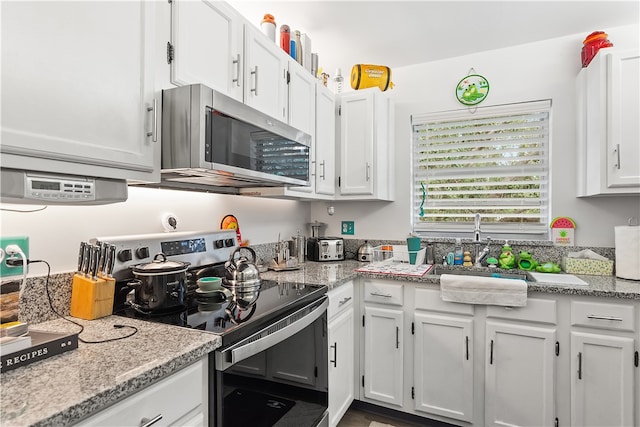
x=241, y=272
x=365, y=252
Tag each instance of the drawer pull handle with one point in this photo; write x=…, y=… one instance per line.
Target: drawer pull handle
x=146, y=422
x=595, y=316
x=376, y=294
x=344, y=301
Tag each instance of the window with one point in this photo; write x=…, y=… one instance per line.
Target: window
x=494, y=162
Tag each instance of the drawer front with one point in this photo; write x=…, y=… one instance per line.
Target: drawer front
x=339, y=299
x=603, y=315
x=383, y=292
x=536, y=310
x=173, y=398
x=431, y=299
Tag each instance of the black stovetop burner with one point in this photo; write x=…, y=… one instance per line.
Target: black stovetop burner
x=275, y=301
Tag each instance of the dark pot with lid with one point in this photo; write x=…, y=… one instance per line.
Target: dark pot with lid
x=160, y=284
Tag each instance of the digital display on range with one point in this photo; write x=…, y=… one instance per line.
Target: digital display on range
x=181, y=247
x=45, y=185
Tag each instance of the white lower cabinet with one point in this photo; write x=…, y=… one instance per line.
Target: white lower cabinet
x=443, y=365
x=520, y=375
x=560, y=360
x=383, y=325
x=178, y=400
x=604, y=364
x=341, y=352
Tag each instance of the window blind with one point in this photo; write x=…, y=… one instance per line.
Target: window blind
x=494, y=162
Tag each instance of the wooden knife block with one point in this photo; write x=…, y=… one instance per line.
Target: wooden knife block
x=91, y=299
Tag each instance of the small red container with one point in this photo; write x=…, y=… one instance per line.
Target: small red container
x=592, y=44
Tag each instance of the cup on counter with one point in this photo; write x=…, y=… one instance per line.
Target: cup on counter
x=208, y=284
x=413, y=246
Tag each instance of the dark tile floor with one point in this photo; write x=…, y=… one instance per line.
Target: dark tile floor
x=358, y=418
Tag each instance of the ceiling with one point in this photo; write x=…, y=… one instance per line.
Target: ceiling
x=401, y=33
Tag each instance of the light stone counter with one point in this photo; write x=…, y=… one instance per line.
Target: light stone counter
x=66, y=388
x=334, y=274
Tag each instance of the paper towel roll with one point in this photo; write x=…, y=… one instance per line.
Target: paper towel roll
x=628, y=252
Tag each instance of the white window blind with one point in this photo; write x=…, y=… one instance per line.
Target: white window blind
x=494, y=162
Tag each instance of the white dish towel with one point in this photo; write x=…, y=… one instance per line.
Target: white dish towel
x=483, y=290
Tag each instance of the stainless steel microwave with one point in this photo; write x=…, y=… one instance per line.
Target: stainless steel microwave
x=212, y=140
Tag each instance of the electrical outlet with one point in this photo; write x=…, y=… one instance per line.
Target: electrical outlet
x=23, y=243
x=348, y=227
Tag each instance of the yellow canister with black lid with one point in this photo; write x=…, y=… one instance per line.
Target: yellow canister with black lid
x=366, y=75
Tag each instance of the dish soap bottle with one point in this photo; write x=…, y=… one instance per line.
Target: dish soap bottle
x=457, y=253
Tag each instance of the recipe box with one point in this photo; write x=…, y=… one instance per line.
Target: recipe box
x=587, y=266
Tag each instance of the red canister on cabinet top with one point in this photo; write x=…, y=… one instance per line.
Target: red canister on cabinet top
x=592, y=44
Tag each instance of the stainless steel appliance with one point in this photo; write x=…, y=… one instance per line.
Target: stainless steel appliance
x=27, y=187
x=210, y=140
x=325, y=249
x=272, y=367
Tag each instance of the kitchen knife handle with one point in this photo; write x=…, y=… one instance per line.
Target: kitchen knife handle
x=237, y=62
x=81, y=256
x=86, y=257
x=102, y=256
x=112, y=260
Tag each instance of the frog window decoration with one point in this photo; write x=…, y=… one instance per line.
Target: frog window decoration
x=472, y=89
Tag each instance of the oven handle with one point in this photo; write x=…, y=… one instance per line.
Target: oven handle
x=283, y=329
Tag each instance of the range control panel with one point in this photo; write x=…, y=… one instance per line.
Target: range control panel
x=196, y=248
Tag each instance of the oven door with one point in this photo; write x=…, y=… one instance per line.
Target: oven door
x=276, y=377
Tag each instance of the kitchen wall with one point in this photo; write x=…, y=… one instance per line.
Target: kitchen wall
x=546, y=69
x=54, y=233
x=542, y=70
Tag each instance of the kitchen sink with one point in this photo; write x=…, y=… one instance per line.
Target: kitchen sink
x=481, y=273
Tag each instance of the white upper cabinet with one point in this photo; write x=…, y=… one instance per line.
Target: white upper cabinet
x=366, y=154
x=265, y=74
x=206, y=46
x=77, y=89
x=608, y=136
x=325, y=141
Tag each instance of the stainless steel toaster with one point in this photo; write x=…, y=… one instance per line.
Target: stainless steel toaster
x=325, y=249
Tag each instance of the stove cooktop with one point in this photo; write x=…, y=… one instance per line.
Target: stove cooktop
x=211, y=314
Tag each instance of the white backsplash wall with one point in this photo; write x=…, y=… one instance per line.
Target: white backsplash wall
x=55, y=233
x=542, y=70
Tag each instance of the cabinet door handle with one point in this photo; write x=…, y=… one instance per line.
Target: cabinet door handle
x=491, y=354
x=466, y=339
x=376, y=294
x=368, y=171
x=580, y=365
x=344, y=301
x=595, y=316
x=335, y=355
x=617, y=151
x=237, y=62
x=255, y=81
x=154, y=132
x=322, y=174
x=146, y=422
x=397, y=337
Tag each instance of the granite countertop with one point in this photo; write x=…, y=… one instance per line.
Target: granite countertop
x=64, y=389
x=334, y=274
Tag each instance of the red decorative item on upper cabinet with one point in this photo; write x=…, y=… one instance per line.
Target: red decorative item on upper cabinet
x=592, y=44
x=285, y=38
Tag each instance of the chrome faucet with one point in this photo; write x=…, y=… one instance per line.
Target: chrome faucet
x=482, y=255
x=476, y=231
x=477, y=241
